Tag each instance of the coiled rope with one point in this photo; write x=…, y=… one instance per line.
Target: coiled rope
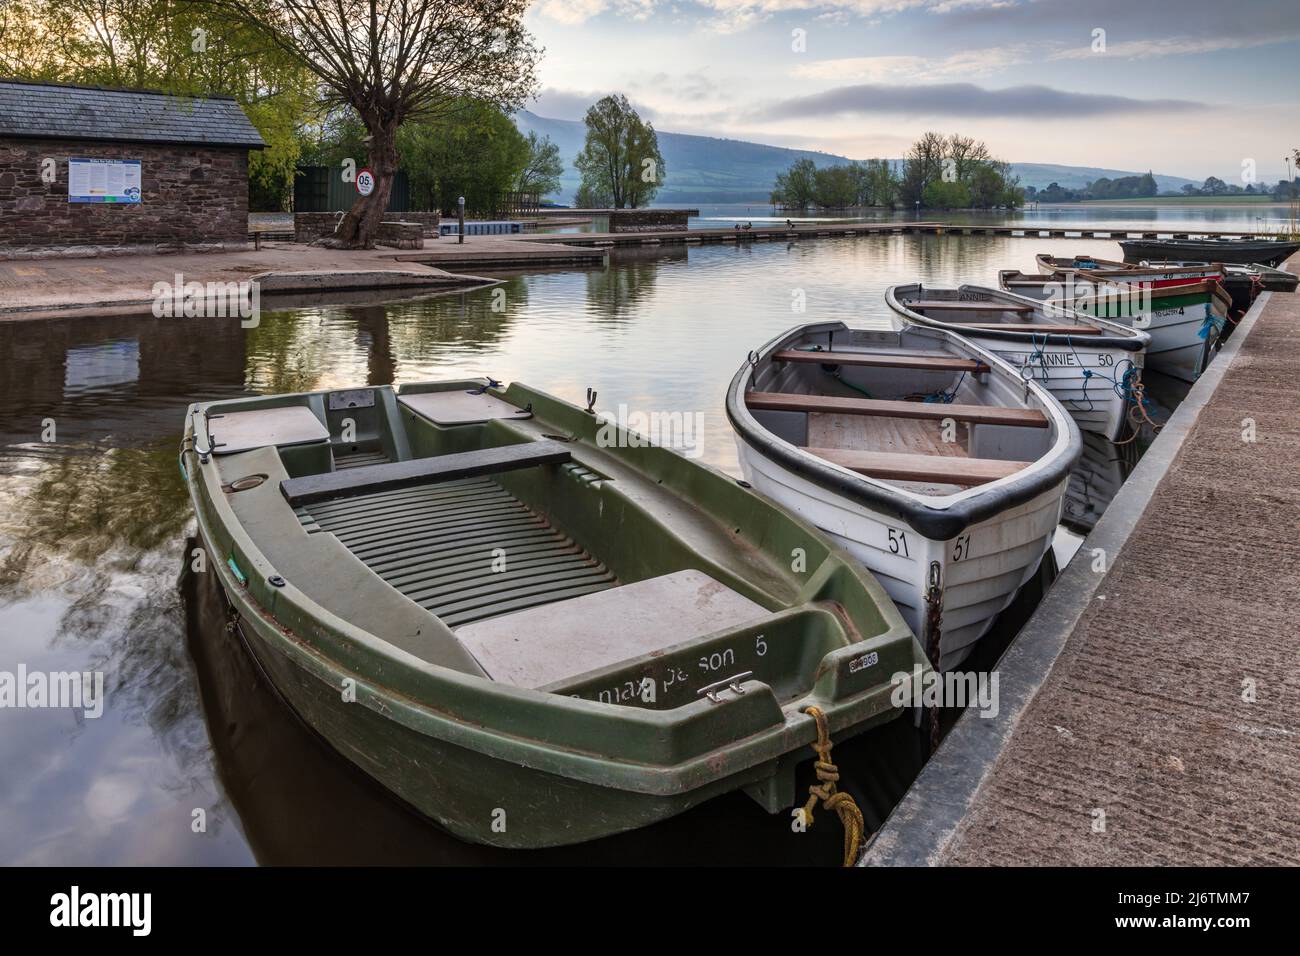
x=826, y=791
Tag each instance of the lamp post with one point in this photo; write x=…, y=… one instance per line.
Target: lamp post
x=460, y=214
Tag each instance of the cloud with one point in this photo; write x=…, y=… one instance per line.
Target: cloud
x=555, y=103
x=1059, y=18
x=966, y=99
x=732, y=16
x=574, y=12
x=876, y=69
x=1174, y=46
x=571, y=12
x=948, y=6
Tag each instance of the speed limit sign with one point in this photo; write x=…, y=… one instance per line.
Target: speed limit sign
x=365, y=181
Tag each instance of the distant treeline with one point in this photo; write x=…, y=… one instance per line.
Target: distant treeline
x=940, y=172
x=1142, y=187
x=1281, y=190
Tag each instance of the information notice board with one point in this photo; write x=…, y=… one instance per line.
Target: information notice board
x=104, y=180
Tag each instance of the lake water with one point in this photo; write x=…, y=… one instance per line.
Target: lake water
x=194, y=759
x=1259, y=216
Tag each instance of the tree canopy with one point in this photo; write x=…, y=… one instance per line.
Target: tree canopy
x=542, y=167
x=475, y=152
x=940, y=171
x=620, y=159
x=394, y=61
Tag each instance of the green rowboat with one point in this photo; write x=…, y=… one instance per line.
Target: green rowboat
x=525, y=621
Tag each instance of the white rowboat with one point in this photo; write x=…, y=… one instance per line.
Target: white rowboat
x=1089, y=364
x=1184, y=320
x=925, y=456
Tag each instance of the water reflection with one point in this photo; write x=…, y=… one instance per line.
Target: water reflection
x=94, y=522
x=1166, y=215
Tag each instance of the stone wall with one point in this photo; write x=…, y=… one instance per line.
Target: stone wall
x=400, y=235
x=192, y=197
x=648, y=220
x=310, y=226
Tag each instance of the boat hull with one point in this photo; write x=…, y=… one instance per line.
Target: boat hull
x=1270, y=253
x=1086, y=380
x=1090, y=373
x=474, y=797
x=980, y=570
x=1184, y=325
x=515, y=766
x=1183, y=333
x=1095, y=480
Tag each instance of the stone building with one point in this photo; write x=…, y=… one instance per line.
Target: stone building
x=121, y=170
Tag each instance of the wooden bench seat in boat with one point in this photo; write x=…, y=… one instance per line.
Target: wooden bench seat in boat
x=547, y=645
x=967, y=305
x=1031, y=327
x=882, y=360
x=930, y=411
x=369, y=479
x=899, y=466
x=460, y=407
x=233, y=432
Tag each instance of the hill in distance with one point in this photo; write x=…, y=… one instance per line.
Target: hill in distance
x=707, y=170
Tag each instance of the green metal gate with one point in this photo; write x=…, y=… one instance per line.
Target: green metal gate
x=322, y=189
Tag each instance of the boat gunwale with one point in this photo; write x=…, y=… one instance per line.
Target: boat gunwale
x=1123, y=338
x=1275, y=250
x=1213, y=287
x=1114, y=268
x=940, y=522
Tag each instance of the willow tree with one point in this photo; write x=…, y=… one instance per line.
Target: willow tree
x=398, y=60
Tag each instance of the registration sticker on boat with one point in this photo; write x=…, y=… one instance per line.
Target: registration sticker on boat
x=863, y=662
x=352, y=398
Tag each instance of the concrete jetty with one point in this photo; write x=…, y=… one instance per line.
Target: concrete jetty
x=1150, y=709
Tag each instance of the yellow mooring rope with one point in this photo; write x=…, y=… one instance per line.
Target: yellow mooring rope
x=825, y=791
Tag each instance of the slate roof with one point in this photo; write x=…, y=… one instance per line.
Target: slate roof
x=65, y=111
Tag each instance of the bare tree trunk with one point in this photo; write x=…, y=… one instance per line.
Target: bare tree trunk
x=357, y=229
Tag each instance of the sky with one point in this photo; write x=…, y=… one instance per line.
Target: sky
x=1183, y=87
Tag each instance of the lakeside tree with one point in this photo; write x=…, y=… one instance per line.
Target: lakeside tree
x=841, y=186
x=475, y=152
x=394, y=61
x=923, y=166
x=796, y=188
x=1122, y=187
x=956, y=172
x=542, y=167
x=592, y=196
x=620, y=158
